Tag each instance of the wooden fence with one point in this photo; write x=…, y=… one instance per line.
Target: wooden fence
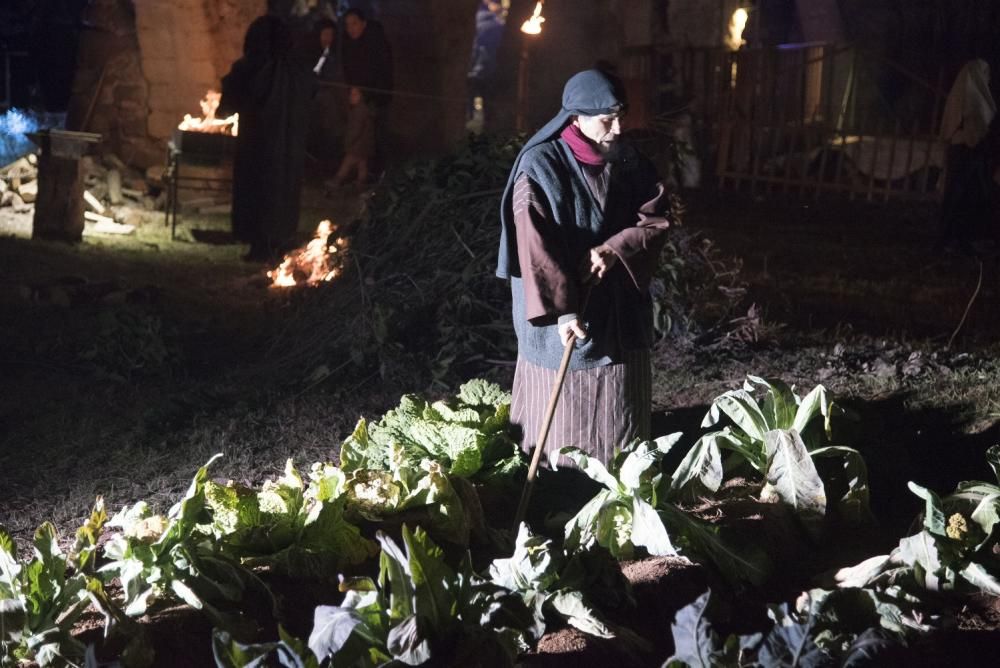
x=805, y=119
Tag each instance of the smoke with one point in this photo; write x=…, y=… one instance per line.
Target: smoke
x=14, y=125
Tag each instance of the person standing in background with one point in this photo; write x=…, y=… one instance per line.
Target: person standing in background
x=271, y=92
x=326, y=127
x=483, y=63
x=359, y=141
x=367, y=65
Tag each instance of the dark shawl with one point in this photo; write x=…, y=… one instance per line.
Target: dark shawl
x=559, y=219
x=558, y=232
x=589, y=93
x=271, y=93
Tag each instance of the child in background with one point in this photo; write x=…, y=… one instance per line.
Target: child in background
x=359, y=141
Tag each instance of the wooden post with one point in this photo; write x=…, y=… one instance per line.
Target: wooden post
x=59, y=207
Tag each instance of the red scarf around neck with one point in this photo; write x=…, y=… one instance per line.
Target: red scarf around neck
x=583, y=149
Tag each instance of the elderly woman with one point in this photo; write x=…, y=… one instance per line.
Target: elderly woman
x=584, y=218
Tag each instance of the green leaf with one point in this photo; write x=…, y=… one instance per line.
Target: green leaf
x=394, y=575
x=229, y=653
x=704, y=544
x=648, y=530
x=993, y=459
x=7, y=544
x=779, y=404
x=186, y=594
x=614, y=529
x=791, y=644
x=534, y=566
x=920, y=552
x=326, y=531
x=848, y=483
x=580, y=530
x=326, y=482
x=695, y=643
x=588, y=465
x=700, y=472
x=792, y=477
x=639, y=460
x=408, y=643
x=742, y=409
x=814, y=402
x=861, y=575
x=430, y=575
x=478, y=392
x=332, y=628
x=13, y=618
x=934, y=519
x=578, y=614
x=977, y=575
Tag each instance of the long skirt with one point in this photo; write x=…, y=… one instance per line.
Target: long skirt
x=599, y=409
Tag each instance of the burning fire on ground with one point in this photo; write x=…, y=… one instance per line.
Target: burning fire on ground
x=318, y=261
x=208, y=122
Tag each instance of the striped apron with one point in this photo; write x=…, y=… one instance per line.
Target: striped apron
x=599, y=409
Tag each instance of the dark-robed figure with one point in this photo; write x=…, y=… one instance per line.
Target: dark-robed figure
x=271, y=93
x=584, y=217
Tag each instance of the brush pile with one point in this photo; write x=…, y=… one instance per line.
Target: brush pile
x=419, y=302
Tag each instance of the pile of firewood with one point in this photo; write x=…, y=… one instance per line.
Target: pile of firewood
x=116, y=195
x=19, y=184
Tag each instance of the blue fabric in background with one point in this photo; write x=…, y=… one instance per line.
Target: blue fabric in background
x=15, y=123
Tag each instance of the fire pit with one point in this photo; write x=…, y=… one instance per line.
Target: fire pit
x=205, y=143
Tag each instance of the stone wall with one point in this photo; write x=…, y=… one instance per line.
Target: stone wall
x=144, y=64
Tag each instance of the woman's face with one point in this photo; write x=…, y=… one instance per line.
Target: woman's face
x=603, y=130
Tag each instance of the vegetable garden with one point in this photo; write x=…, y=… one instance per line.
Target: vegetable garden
x=751, y=532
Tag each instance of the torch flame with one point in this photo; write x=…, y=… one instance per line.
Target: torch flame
x=737, y=24
x=533, y=26
x=317, y=262
x=208, y=122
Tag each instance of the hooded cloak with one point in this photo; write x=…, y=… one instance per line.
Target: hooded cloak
x=271, y=93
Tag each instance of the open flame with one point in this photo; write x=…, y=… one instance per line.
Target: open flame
x=737, y=24
x=533, y=26
x=208, y=122
x=318, y=261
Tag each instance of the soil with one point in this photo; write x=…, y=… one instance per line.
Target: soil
x=851, y=294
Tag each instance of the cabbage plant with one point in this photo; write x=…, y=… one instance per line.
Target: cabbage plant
x=43, y=597
x=633, y=511
x=777, y=433
x=622, y=516
x=422, y=611
x=955, y=549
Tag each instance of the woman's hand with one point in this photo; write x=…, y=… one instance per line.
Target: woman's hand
x=598, y=262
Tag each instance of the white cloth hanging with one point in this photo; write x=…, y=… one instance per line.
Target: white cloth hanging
x=969, y=108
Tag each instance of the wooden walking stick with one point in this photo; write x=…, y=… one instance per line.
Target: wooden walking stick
x=550, y=411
